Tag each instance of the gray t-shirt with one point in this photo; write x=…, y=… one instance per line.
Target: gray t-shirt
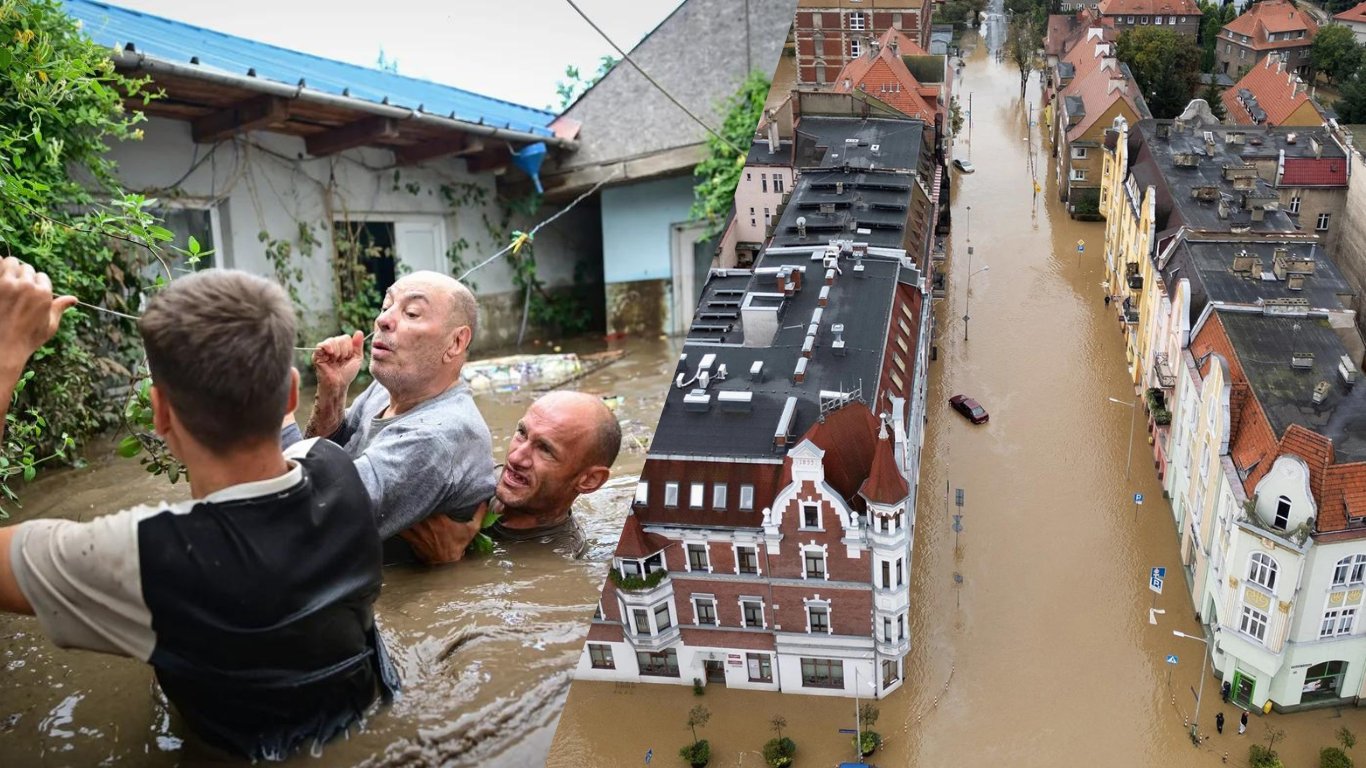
x=437, y=457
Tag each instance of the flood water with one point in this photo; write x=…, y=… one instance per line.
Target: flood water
x=483, y=646
x=1044, y=656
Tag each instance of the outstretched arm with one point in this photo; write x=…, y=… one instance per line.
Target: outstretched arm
x=29, y=316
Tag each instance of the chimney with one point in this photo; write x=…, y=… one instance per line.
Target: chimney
x=824, y=297
x=1317, y=146
x=1302, y=361
x=799, y=375
x=1291, y=137
x=772, y=130
x=801, y=227
x=1320, y=392
x=796, y=278
x=896, y=46
x=837, y=346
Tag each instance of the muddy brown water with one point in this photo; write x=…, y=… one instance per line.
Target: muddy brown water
x=484, y=646
x=1044, y=656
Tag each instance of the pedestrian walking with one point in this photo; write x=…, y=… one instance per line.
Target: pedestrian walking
x=1228, y=687
x=1219, y=722
x=1242, y=724
x=1107, y=299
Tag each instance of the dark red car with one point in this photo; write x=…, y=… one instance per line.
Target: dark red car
x=969, y=408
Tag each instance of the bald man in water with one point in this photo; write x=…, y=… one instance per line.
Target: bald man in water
x=416, y=437
x=564, y=447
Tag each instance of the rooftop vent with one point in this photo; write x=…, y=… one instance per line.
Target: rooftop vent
x=1291, y=137
x=756, y=371
x=837, y=346
x=1301, y=361
x=697, y=401
x=1242, y=262
x=1185, y=160
x=829, y=277
x=799, y=375
x=707, y=361
x=1347, y=371
x=839, y=187
x=1320, y=392
x=801, y=227
x=808, y=346
x=780, y=435
x=735, y=401
x=825, y=295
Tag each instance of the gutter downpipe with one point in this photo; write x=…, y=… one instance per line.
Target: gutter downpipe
x=141, y=62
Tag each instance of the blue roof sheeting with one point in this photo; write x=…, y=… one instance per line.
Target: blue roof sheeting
x=157, y=37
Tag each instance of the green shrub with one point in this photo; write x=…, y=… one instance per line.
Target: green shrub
x=636, y=583
x=697, y=689
x=1259, y=756
x=779, y=752
x=867, y=742
x=1332, y=757
x=697, y=753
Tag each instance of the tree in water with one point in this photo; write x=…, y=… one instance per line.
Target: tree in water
x=1023, y=39
x=1166, y=66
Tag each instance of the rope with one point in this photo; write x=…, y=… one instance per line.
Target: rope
x=627, y=58
x=522, y=238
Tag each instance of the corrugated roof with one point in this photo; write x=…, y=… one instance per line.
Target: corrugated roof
x=175, y=41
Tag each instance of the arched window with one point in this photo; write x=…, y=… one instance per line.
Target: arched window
x=1262, y=571
x=1282, y=512
x=1350, y=570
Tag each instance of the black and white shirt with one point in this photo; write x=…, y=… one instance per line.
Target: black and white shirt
x=253, y=604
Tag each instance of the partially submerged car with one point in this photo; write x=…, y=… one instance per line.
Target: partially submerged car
x=970, y=408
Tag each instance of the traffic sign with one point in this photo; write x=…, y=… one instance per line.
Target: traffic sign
x=1138, y=498
x=1155, y=584
x=1160, y=572
x=1171, y=658
x=848, y=730
x=1080, y=247
x=959, y=494
x=957, y=523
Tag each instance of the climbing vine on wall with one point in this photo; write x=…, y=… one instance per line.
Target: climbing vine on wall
x=719, y=172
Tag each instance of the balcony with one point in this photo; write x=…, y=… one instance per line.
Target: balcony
x=1166, y=378
x=642, y=590
x=1133, y=277
x=655, y=642
x=1130, y=314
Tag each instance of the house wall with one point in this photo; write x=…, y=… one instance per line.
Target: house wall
x=255, y=185
x=1313, y=202
x=637, y=234
x=1350, y=252
x=756, y=193
x=1186, y=25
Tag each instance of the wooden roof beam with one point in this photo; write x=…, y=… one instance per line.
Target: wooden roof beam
x=247, y=115
x=367, y=131
x=435, y=148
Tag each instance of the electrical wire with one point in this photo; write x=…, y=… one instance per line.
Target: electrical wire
x=627, y=58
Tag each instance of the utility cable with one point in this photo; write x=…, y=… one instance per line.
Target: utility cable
x=627, y=58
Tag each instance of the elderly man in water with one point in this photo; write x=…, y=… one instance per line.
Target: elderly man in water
x=564, y=447
x=415, y=435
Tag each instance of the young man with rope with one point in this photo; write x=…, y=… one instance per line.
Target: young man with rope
x=253, y=600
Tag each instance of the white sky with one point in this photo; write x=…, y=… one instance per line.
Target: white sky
x=513, y=50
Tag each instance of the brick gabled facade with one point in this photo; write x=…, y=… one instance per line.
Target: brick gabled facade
x=831, y=33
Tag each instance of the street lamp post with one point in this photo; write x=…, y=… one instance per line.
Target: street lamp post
x=1129, y=461
x=1199, y=697
x=968, y=298
x=969, y=228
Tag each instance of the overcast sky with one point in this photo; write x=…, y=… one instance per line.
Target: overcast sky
x=513, y=50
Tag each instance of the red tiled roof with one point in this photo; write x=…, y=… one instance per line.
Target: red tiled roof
x=885, y=483
x=1149, y=7
x=848, y=436
x=885, y=77
x=1357, y=14
x=906, y=45
x=1274, y=89
x=635, y=542
x=1344, y=495
x=1272, y=17
x=1312, y=172
x=1099, y=90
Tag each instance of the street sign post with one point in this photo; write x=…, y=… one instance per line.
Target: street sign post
x=1155, y=578
x=959, y=497
x=1138, y=502
x=957, y=529
x=1155, y=584
x=848, y=730
x=1171, y=660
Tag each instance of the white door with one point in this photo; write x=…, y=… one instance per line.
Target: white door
x=687, y=276
x=420, y=245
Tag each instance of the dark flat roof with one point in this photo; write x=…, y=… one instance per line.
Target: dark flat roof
x=759, y=154
x=1264, y=345
x=898, y=142
x=863, y=304
x=873, y=208
x=1181, y=181
x=1209, y=267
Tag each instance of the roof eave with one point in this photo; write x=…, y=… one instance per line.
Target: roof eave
x=141, y=62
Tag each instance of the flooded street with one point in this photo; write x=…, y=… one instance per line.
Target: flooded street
x=1044, y=655
x=484, y=646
